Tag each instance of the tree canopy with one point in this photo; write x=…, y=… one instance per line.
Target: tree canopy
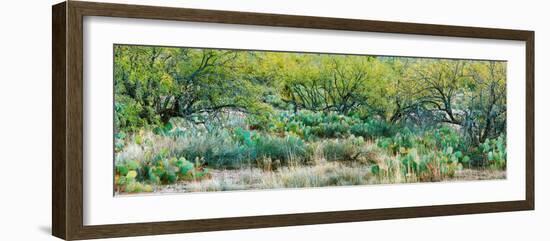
x=155, y=84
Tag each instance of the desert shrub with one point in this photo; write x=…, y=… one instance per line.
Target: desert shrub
x=309, y=118
x=494, y=152
x=372, y=129
x=359, y=129
x=128, y=183
x=259, y=122
x=409, y=162
x=379, y=128
x=412, y=166
x=183, y=151
x=165, y=130
x=242, y=147
x=445, y=140
x=385, y=144
x=343, y=149
x=287, y=149
x=135, y=176
x=449, y=142
x=216, y=148
x=128, y=176
x=446, y=137
x=243, y=137
x=432, y=155
x=120, y=141
x=331, y=130
x=311, y=126
x=402, y=140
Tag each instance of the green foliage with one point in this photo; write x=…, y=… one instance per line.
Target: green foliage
x=221, y=148
x=185, y=167
x=343, y=150
x=165, y=129
x=152, y=85
x=372, y=129
x=119, y=141
x=494, y=151
x=402, y=140
x=312, y=126
x=375, y=169
x=217, y=149
x=182, y=111
x=155, y=84
x=139, y=177
x=128, y=182
x=432, y=155
x=128, y=114
x=122, y=170
x=331, y=130
x=287, y=149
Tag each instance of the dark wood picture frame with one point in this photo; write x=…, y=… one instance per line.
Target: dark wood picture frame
x=67, y=123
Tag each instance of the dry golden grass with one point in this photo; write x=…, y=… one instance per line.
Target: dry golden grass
x=318, y=172
x=323, y=174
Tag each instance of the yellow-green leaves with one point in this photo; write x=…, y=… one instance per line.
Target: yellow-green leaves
x=131, y=175
x=166, y=83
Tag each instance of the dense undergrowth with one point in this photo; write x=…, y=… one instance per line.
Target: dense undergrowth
x=181, y=151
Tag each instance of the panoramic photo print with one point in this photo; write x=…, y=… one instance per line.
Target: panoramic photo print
x=207, y=120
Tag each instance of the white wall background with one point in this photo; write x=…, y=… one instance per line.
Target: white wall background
x=25, y=119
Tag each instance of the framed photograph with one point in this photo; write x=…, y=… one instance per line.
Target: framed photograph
x=171, y=120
